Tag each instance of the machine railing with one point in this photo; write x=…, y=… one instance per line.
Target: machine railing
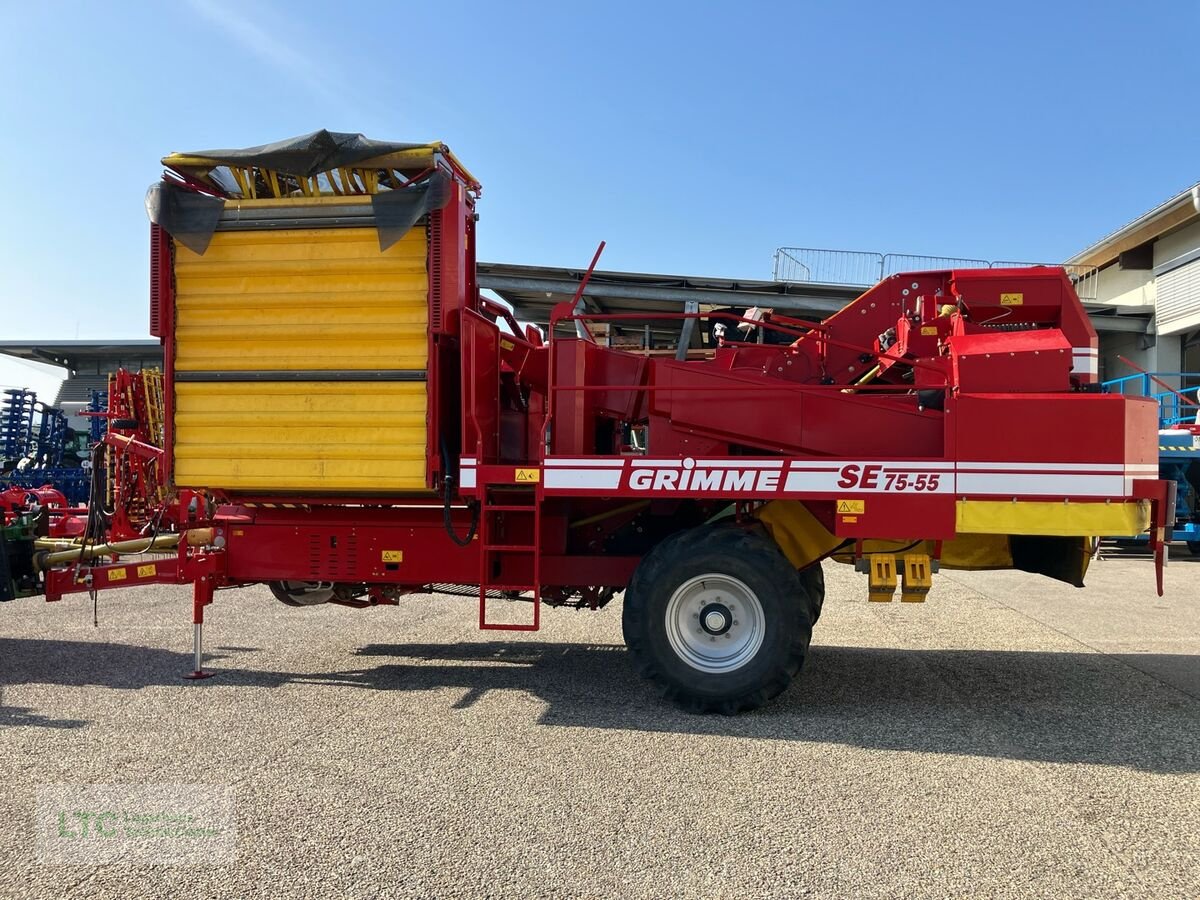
x=807, y=264
x=1175, y=406
x=909, y=262
x=795, y=328
x=863, y=269
x=1085, y=278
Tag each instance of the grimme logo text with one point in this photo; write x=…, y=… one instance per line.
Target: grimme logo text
x=689, y=478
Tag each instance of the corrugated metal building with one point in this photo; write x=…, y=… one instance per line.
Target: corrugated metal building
x=1152, y=265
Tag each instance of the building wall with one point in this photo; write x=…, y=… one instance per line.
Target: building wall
x=1178, y=272
x=1180, y=242
x=91, y=373
x=1124, y=287
x=1132, y=287
x=1155, y=352
x=1164, y=354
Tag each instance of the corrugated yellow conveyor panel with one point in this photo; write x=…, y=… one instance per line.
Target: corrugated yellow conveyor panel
x=301, y=301
x=320, y=298
x=358, y=436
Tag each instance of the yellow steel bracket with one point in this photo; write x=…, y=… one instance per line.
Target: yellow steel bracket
x=918, y=578
x=881, y=577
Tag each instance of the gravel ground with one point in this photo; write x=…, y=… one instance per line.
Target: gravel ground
x=1010, y=737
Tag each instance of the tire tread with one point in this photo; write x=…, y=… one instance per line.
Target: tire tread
x=714, y=542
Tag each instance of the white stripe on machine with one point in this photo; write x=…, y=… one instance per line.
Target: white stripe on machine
x=800, y=477
x=591, y=479
x=1046, y=484
x=1085, y=360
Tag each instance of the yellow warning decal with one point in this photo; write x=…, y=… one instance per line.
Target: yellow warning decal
x=929, y=330
x=147, y=571
x=393, y=556
x=854, y=507
x=117, y=574
x=506, y=345
x=1012, y=299
x=527, y=475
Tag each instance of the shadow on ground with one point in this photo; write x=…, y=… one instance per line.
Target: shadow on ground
x=1054, y=707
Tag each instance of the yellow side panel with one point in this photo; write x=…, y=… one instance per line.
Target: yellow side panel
x=797, y=532
x=1050, y=518
x=296, y=436
x=322, y=298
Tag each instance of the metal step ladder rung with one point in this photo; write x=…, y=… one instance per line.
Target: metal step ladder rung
x=493, y=549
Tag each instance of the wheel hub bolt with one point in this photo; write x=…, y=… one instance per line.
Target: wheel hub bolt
x=715, y=619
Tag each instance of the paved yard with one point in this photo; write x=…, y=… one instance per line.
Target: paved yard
x=1011, y=737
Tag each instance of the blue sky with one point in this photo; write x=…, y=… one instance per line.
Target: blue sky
x=694, y=138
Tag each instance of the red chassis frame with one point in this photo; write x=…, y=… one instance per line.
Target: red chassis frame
x=930, y=389
x=540, y=474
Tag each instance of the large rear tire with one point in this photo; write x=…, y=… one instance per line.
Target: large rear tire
x=813, y=579
x=719, y=619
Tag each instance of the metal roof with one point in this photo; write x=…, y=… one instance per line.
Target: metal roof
x=1168, y=215
x=68, y=354
x=533, y=291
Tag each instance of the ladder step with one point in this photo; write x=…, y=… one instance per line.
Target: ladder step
x=520, y=504
x=493, y=626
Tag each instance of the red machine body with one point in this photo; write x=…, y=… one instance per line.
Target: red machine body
x=555, y=464
x=973, y=396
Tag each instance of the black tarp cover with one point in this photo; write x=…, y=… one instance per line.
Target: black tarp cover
x=188, y=216
x=305, y=155
x=191, y=217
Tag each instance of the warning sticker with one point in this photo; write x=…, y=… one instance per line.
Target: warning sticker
x=117, y=574
x=392, y=556
x=506, y=345
x=853, y=507
x=527, y=475
x=1012, y=299
x=147, y=571
x=929, y=330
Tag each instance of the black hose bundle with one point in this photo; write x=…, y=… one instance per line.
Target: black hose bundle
x=447, y=493
x=96, y=524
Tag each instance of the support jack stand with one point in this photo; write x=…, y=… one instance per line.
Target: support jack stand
x=202, y=596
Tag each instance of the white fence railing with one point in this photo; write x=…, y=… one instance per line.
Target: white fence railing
x=862, y=269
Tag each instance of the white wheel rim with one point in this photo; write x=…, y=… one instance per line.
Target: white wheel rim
x=715, y=623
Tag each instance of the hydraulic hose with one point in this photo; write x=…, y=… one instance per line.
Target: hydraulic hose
x=91, y=551
x=447, y=521
x=447, y=493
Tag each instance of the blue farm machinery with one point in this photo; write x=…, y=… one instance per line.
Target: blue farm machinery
x=1178, y=441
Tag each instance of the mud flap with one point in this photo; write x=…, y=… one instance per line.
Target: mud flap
x=1061, y=558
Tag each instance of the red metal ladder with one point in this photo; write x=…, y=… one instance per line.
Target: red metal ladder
x=519, y=505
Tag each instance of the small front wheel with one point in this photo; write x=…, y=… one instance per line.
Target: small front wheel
x=301, y=593
x=719, y=619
